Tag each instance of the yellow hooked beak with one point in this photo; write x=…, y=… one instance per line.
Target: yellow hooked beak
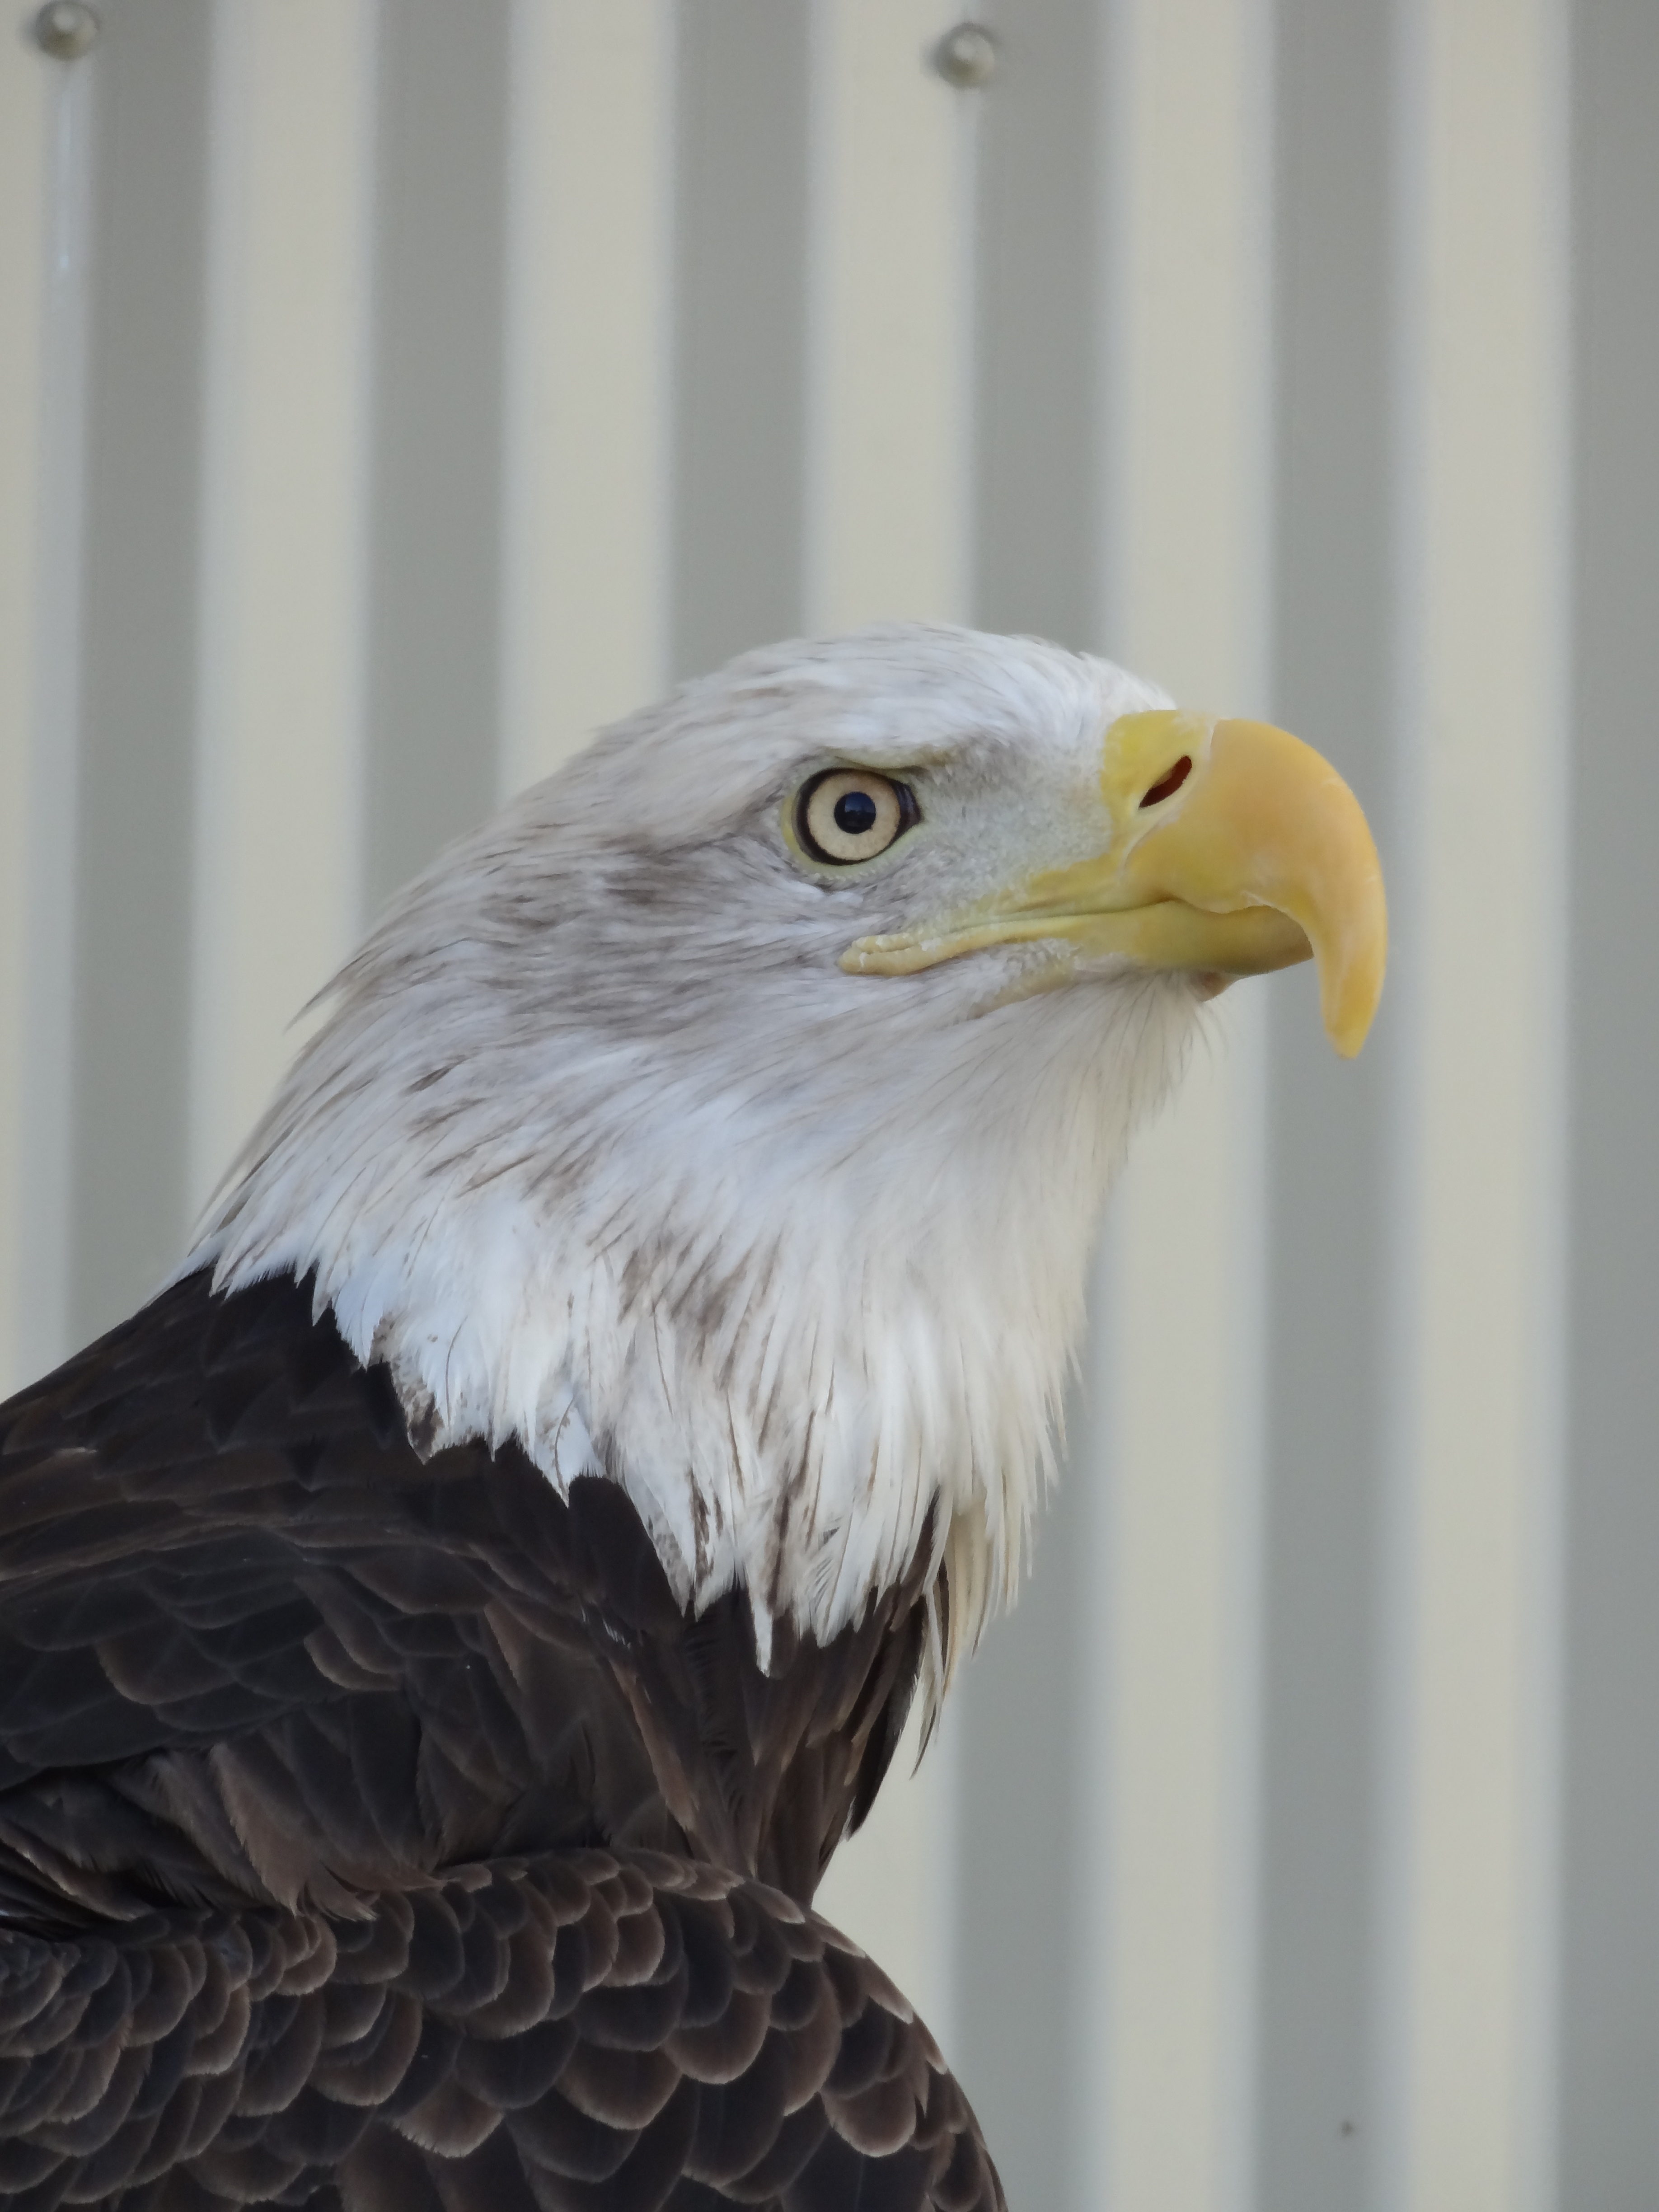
x=1232, y=848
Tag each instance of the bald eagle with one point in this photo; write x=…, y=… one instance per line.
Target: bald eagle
x=446, y=1633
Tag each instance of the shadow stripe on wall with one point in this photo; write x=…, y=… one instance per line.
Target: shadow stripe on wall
x=137, y=740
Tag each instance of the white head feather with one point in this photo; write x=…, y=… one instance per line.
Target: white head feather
x=600, y=1150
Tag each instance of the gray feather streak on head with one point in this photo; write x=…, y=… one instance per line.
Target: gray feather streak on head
x=599, y=1149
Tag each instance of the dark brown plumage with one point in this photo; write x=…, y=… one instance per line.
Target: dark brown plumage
x=379, y=1831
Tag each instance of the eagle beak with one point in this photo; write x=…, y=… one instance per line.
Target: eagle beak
x=1231, y=848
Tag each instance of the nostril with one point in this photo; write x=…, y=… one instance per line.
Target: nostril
x=1167, y=785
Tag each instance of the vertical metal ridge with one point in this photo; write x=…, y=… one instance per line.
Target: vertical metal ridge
x=740, y=317
x=1332, y=640
x=1479, y=1191
x=276, y=896
x=1610, y=1966
x=585, y=480
x=132, y=1019
x=28, y=94
x=438, y=386
x=1038, y=418
x=890, y=336
x=43, y=211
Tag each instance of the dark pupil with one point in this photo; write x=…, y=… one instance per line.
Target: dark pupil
x=855, y=813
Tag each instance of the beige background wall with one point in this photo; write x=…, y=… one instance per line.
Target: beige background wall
x=390, y=393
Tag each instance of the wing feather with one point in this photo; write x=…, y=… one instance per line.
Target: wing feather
x=280, y=1653
x=378, y=1832
x=223, y=2059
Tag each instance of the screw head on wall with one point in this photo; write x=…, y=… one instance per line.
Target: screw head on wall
x=966, y=55
x=66, y=29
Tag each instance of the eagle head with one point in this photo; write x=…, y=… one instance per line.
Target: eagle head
x=732, y=1116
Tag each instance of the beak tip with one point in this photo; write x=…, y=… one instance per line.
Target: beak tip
x=1348, y=1012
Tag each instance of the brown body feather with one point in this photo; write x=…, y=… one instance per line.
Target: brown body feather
x=379, y=1831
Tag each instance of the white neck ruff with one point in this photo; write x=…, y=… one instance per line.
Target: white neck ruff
x=596, y=1155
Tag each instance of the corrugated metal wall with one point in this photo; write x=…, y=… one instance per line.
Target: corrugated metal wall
x=390, y=393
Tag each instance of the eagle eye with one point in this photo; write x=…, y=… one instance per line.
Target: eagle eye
x=850, y=814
